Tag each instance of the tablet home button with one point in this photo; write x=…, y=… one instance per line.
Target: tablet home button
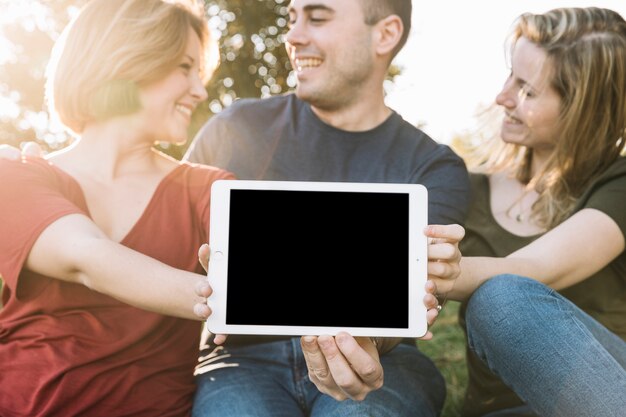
x=217, y=255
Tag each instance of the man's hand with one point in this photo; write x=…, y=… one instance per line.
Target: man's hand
x=444, y=256
x=343, y=366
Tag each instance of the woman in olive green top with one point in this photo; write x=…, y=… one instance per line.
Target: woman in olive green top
x=550, y=204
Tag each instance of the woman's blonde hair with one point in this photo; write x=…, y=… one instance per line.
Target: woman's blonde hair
x=112, y=48
x=586, y=49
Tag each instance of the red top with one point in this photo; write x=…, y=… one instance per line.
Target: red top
x=66, y=350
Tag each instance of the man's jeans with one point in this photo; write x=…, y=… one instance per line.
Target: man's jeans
x=557, y=358
x=271, y=380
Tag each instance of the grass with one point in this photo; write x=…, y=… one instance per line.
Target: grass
x=447, y=351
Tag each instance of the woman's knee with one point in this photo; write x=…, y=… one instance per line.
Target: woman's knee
x=500, y=306
x=499, y=291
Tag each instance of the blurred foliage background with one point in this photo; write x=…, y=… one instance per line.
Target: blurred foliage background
x=253, y=62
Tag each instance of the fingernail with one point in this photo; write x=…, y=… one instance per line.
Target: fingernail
x=323, y=342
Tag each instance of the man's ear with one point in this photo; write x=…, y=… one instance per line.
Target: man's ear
x=388, y=32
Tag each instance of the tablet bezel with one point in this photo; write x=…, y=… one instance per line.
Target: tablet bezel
x=219, y=244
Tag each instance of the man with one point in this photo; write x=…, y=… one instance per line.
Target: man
x=336, y=127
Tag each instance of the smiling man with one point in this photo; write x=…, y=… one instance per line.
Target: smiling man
x=334, y=127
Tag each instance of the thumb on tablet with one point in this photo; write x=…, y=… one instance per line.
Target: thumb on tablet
x=203, y=256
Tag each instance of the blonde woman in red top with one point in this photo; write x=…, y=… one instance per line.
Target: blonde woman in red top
x=89, y=325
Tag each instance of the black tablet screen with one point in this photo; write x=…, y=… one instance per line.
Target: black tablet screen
x=318, y=258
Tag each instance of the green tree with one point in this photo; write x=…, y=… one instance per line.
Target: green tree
x=27, y=32
x=253, y=60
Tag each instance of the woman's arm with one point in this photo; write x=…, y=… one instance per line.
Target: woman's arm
x=570, y=253
x=74, y=249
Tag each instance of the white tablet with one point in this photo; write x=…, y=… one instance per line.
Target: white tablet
x=312, y=258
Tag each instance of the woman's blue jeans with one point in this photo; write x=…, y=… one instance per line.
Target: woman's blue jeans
x=558, y=359
x=271, y=380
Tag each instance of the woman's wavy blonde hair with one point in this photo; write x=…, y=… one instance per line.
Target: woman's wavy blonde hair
x=113, y=47
x=586, y=48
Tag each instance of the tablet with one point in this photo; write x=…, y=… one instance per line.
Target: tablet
x=313, y=258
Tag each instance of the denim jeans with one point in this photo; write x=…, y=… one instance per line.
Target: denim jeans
x=558, y=359
x=271, y=380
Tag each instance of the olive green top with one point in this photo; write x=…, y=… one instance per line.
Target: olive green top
x=603, y=295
